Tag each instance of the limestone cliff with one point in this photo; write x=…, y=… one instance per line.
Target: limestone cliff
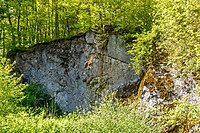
x=77, y=71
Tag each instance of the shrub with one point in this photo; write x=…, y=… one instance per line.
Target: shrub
x=10, y=89
x=37, y=100
x=105, y=118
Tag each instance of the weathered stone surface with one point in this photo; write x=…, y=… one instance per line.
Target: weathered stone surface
x=116, y=49
x=162, y=86
x=76, y=71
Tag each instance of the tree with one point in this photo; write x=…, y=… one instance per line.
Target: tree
x=174, y=35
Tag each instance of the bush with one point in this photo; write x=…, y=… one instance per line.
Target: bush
x=37, y=100
x=10, y=89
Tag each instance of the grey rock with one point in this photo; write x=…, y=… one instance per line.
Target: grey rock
x=183, y=89
x=90, y=37
x=195, y=129
x=116, y=49
x=76, y=72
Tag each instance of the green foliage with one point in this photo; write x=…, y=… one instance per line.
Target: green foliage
x=180, y=28
x=144, y=50
x=37, y=100
x=25, y=23
x=105, y=118
x=175, y=31
x=109, y=117
x=179, y=119
x=15, y=97
x=34, y=96
x=11, y=91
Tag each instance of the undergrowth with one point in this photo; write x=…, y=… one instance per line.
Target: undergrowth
x=105, y=118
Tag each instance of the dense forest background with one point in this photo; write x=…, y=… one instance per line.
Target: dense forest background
x=25, y=23
x=166, y=31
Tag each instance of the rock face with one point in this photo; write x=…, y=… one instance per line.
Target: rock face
x=77, y=71
x=161, y=86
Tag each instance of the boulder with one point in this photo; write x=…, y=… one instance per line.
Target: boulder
x=77, y=72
